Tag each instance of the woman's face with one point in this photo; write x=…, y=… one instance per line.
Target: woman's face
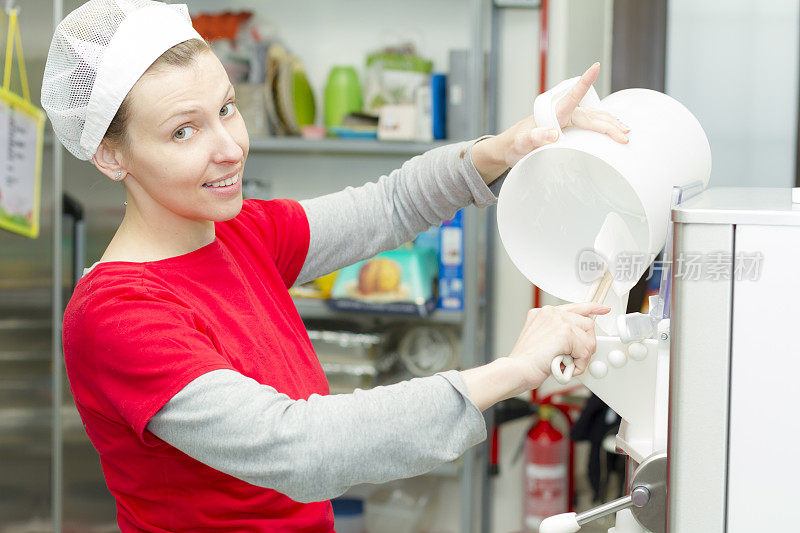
x=185, y=134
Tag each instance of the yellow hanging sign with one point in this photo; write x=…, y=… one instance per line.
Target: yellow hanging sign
x=21, y=136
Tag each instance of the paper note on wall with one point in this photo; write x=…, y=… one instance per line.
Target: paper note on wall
x=21, y=133
x=20, y=158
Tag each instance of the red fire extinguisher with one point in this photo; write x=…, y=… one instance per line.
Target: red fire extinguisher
x=546, y=472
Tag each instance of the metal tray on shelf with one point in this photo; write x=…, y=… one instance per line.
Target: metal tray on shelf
x=310, y=309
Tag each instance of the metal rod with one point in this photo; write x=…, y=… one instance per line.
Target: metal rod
x=470, y=479
x=79, y=251
x=487, y=487
x=637, y=498
x=56, y=500
x=605, y=509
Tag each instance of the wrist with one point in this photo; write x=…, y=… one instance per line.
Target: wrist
x=525, y=377
x=495, y=381
x=487, y=156
x=531, y=374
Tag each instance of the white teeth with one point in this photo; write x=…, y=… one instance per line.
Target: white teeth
x=223, y=183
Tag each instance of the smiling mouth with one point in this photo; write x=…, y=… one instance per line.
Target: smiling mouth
x=223, y=183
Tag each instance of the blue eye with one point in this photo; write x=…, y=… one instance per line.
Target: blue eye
x=223, y=112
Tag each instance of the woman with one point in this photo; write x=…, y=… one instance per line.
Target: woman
x=188, y=362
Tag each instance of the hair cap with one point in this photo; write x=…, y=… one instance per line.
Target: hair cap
x=98, y=53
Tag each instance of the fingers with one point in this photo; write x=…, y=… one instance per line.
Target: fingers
x=589, y=340
x=528, y=138
x=580, y=349
x=585, y=345
x=586, y=308
x=583, y=322
x=582, y=87
x=617, y=122
x=570, y=101
x=541, y=136
x=564, y=330
x=612, y=127
x=612, y=131
x=599, y=115
x=601, y=122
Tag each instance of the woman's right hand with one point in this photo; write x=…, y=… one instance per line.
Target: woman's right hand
x=553, y=331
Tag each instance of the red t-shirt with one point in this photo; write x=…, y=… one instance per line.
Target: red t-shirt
x=135, y=334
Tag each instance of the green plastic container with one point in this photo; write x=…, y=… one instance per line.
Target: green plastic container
x=342, y=95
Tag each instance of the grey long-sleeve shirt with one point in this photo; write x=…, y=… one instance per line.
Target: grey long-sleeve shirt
x=315, y=449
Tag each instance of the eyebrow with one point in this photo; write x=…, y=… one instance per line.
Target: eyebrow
x=191, y=110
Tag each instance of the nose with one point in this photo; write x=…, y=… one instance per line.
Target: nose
x=226, y=149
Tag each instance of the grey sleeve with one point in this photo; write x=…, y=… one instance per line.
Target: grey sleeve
x=359, y=222
x=315, y=449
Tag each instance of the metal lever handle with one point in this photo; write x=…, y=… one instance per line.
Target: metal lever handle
x=571, y=522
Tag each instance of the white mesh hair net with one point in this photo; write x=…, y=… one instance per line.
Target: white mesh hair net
x=98, y=53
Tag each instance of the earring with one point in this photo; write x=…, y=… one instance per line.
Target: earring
x=118, y=175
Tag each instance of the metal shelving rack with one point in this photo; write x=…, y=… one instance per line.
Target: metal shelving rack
x=340, y=146
x=478, y=259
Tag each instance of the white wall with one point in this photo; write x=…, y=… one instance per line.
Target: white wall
x=580, y=34
x=733, y=63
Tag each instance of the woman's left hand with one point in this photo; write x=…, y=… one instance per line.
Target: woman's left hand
x=495, y=154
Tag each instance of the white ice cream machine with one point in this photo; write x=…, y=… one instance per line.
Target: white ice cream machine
x=707, y=383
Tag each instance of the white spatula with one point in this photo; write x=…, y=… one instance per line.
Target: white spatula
x=613, y=239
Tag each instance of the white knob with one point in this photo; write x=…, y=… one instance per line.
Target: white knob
x=560, y=523
x=598, y=369
x=617, y=358
x=637, y=351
